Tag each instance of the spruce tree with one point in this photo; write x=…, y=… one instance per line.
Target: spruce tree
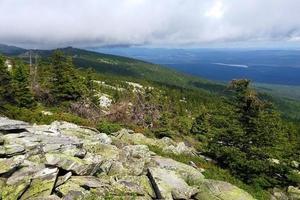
x=65, y=84
x=248, y=140
x=6, y=92
x=22, y=94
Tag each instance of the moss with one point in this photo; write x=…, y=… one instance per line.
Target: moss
x=13, y=192
x=39, y=188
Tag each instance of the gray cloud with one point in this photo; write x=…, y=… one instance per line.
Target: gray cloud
x=44, y=23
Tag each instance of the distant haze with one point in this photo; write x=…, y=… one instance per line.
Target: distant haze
x=168, y=23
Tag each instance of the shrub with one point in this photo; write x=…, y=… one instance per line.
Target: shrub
x=108, y=127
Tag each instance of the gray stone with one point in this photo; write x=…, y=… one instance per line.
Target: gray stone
x=25, y=172
x=103, y=138
x=12, y=192
x=188, y=173
x=73, y=164
x=219, y=190
x=293, y=193
x=42, y=184
x=168, y=185
x=9, y=165
x=11, y=150
x=62, y=179
x=134, y=158
x=9, y=124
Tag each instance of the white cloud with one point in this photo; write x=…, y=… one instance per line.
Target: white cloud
x=44, y=23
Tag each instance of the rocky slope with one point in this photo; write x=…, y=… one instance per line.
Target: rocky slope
x=66, y=161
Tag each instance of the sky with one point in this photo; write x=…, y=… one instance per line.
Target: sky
x=158, y=23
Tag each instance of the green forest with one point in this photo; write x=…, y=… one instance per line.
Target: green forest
x=252, y=137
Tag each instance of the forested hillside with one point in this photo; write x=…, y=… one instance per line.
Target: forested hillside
x=249, y=142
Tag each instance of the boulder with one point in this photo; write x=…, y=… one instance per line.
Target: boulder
x=135, y=186
x=169, y=185
x=278, y=194
x=11, y=125
x=132, y=160
x=219, y=190
x=11, y=150
x=70, y=190
x=9, y=165
x=103, y=138
x=188, y=173
x=42, y=184
x=73, y=164
x=12, y=192
x=25, y=172
x=293, y=193
x=179, y=148
x=62, y=179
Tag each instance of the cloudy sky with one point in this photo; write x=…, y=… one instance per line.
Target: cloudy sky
x=164, y=23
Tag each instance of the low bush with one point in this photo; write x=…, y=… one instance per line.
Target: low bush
x=108, y=127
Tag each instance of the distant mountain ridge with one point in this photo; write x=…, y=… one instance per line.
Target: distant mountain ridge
x=11, y=50
x=122, y=66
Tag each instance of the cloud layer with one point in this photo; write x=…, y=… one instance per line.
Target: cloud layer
x=43, y=23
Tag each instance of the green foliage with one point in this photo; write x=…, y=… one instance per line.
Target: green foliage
x=65, y=84
x=6, y=95
x=247, y=139
x=22, y=94
x=108, y=127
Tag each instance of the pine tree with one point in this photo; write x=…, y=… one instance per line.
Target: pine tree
x=22, y=94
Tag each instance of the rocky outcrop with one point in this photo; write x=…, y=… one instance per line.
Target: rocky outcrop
x=66, y=161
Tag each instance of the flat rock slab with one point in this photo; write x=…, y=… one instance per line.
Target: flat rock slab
x=69, y=163
x=186, y=172
x=42, y=184
x=219, y=190
x=8, y=165
x=168, y=185
x=9, y=124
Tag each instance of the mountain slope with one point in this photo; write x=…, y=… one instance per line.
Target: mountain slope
x=11, y=50
x=123, y=66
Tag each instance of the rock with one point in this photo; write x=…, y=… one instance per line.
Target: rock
x=134, y=158
x=42, y=184
x=108, y=152
x=25, y=172
x=135, y=185
x=9, y=165
x=278, y=194
x=103, y=138
x=51, y=197
x=51, y=147
x=12, y=192
x=11, y=125
x=70, y=190
x=87, y=182
x=80, y=153
x=219, y=190
x=11, y=150
x=62, y=179
x=186, y=172
x=294, y=163
x=180, y=148
x=1, y=140
x=168, y=185
x=122, y=132
x=73, y=164
x=293, y=193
